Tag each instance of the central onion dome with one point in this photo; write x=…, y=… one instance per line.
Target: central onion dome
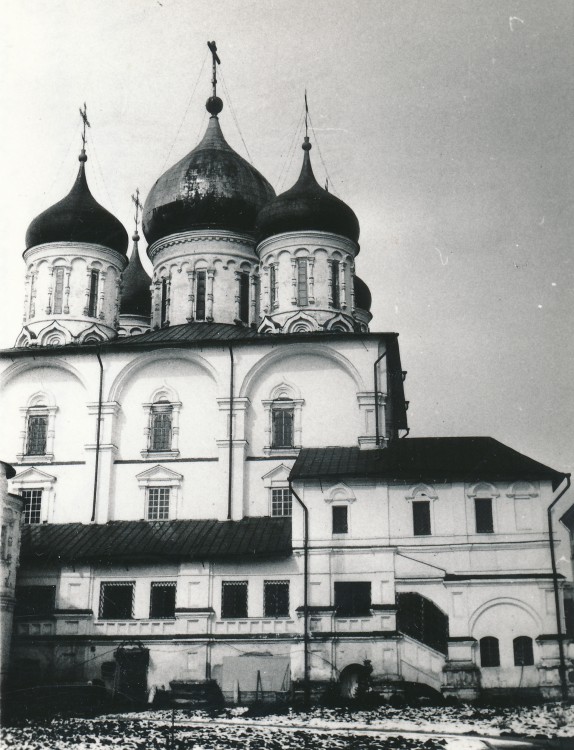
x=78, y=218
x=210, y=188
x=307, y=206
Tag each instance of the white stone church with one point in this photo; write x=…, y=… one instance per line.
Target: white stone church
x=218, y=479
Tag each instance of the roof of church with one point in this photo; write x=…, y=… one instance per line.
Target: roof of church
x=466, y=459
x=136, y=295
x=257, y=537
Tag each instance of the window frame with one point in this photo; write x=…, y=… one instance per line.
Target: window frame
x=38, y=413
x=93, y=292
x=338, y=527
x=422, y=524
x=286, y=609
x=354, y=609
x=49, y=589
x=59, y=283
x=282, y=502
x=229, y=586
x=200, y=302
x=335, y=283
x=489, y=648
x=162, y=509
x=283, y=396
x=156, y=586
x=480, y=517
x=157, y=442
x=164, y=400
x=277, y=409
x=102, y=600
x=523, y=646
x=244, y=308
x=27, y=509
x=273, y=296
x=302, y=282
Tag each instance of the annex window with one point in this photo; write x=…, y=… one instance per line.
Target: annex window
x=35, y=601
x=523, y=651
x=335, y=289
x=244, y=297
x=32, y=505
x=483, y=515
x=93, y=294
x=353, y=598
x=158, y=503
x=37, y=433
x=281, y=501
x=272, y=285
x=162, y=600
x=282, y=425
x=489, y=654
x=200, y=295
x=340, y=517
x=421, y=518
x=58, y=290
x=116, y=600
x=163, y=309
x=276, y=598
x=234, y=599
x=161, y=426
x=302, y=284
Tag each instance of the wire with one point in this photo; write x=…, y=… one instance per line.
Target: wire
x=234, y=116
x=185, y=113
x=331, y=183
x=58, y=172
x=99, y=169
x=291, y=152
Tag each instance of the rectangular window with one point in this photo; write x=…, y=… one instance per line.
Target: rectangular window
x=200, y=296
x=162, y=600
x=281, y=501
x=483, y=512
x=35, y=601
x=353, y=598
x=32, y=506
x=421, y=518
x=282, y=419
x=244, y=297
x=93, y=298
x=234, y=599
x=160, y=433
x=158, y=503
x=272, y=285
x=302, y=294
x=163, y=301
x=36, y=434
x=340, y=519
x=58, y=291
x=276, y=598
x=335, y=283
x=116, y=600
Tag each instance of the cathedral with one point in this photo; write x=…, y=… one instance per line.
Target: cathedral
x=220, y=491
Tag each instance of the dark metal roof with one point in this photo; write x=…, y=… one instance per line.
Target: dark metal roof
x=468, y=459
x=363, y=297
x=257, y=537
x=136, y=295
x=192, y=332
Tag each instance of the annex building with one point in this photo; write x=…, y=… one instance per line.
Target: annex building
x=217, y=474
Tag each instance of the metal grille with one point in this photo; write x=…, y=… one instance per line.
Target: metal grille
x=59, y=291
x=335, y=283
x=281, y=502
x=37, y=432
x=200, y=296
x=32, y=506
x=160, y=434
x=93, y=298
x=158, y=503
x=282, y=427
x=234, y=599
x=117, y=600
x=276, y=598
x=302, y=296
x=162, y=600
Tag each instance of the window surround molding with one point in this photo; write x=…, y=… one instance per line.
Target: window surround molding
x=34, y=479
x=483, y=490
x=161, y=395
x=160, y=476
x=340, y=494
x=421, y=492
x=276, y=479
x=522, y=490
x=285, y=396
x=40, y=404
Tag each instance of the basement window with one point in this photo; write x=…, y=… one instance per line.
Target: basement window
x=116, y=600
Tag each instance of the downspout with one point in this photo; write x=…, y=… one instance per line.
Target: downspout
x=230, y=467
x=98, y=430
x=376, y=374
x=562, y=667
x=306, y=683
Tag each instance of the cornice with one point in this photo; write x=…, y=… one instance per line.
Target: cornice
x=185, y=238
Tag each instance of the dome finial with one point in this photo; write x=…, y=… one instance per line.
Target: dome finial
x=84, y=115
x=214, y=105
x=306, y=143
x=137, y=203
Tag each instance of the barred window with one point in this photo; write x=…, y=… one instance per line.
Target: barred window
x=32, y=505
x=489, y=654
x=158, y=503
x=523, y=652
x=162, y=600
x=200, y=296
x=281, y=501
x=302, y=294
x=116, y=600
x=276, y=598
x=234, y=599
x=58, y=290
x=282, y=426
x=161, y=426
x=36, y=435
x=335, y=283
x=93, y=295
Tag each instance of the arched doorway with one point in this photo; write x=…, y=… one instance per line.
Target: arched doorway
x=350, y=681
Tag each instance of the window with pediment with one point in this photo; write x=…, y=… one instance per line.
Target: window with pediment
x=38, y=429
x=162, y=428
x=283, y=411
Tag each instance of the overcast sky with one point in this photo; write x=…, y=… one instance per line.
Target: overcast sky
x=446, y=125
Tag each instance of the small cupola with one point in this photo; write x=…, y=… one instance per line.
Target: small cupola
x=135, y=299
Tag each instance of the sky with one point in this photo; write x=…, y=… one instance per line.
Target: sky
x=445, y=125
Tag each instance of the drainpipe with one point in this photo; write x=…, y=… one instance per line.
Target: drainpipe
x=376, y=374
x=306, y=683
x=562, y=667
x=98, y=430
x=230, y=468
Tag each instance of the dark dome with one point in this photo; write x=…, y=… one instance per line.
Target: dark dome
x=363, y=298
x=136, y=295
x=210, y=188
x=306, y=206
x=78, y=218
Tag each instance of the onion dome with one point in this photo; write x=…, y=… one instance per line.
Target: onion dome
x=307, y=206
x=363, y=298
x=210, y=188
x=78, y=218
x=136, y=296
